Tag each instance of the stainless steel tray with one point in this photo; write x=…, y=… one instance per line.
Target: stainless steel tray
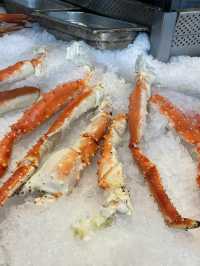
x=98, y=31
x=29, y=6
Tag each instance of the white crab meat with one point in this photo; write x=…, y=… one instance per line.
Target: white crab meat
x=62, y=170
x=112, y=180
x=86, y=100
x=110, y=172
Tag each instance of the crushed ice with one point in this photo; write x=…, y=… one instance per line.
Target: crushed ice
x=33, y=235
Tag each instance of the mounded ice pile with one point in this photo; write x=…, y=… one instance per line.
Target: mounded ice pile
x=40, y=235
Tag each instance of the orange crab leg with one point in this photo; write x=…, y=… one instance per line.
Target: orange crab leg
x=28, y=166
x=137, y=110
x=13, y=18
x=171, y=215
x=20, y=70
x=17, y=98
x=109, y=160
x=179, y=121
x=61, y=171
x=32, y=118
x=11, y=94
x=182, y=124
x=149, y=170
x=50, y=103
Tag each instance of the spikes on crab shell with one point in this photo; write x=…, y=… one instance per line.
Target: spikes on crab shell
x=21, y=70
x=87, y=99
x=61, y=172
x=6, y=145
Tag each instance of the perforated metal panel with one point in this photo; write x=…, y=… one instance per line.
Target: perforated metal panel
x=186, y=36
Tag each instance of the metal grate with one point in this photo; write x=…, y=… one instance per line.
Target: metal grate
x=187, y=31
x=186, y=41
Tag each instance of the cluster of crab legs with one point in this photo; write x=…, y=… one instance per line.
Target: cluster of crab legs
x=139, y=100
x=12, y=22
x=57, y=172
x=60, y=172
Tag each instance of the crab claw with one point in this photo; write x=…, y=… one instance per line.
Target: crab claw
x=21, y=70
x=33, y=117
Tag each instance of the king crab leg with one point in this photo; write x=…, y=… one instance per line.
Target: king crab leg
x=83, y=102
x=177, y=119
x=20, y=70
x=138, y=107
x=17, y=98
x=180, y=122
x=110, y=170
x=50, y=103
x=111, y=180
x=61, y=172
x=149, y=170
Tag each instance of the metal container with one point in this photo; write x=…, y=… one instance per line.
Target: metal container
x=98, y=31
x=128, y=10
x=29, y=6
x=174, y=24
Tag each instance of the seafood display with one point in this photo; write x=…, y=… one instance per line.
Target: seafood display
x=68, y=171
x=56, y=172
x=99, y=153
x=139, y=100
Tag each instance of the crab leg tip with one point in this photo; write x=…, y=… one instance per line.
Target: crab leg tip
x=185, y=224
